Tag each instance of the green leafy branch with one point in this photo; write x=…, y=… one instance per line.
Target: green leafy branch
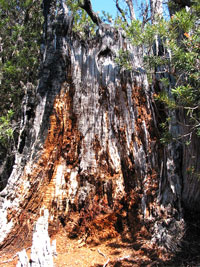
x=6, y=130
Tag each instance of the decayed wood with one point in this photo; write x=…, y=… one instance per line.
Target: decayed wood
x=89, y=152
x=42, y=251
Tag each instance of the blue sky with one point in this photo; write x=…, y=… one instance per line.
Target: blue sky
x=109, y=6
x=106, y=5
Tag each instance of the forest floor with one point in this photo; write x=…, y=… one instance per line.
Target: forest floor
x=76, y=253
x=120, y=251
x=116, y=252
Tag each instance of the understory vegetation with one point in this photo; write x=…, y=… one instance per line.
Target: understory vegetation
x=21, y=33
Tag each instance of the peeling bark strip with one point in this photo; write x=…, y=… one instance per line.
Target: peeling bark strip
x=90, y=153
x=42, y=251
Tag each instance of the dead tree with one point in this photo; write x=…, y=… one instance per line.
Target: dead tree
x=90, y=143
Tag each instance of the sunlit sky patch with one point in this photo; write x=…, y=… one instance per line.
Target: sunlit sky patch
x=109, y=7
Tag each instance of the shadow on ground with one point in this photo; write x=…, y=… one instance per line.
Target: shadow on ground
x=137, y=254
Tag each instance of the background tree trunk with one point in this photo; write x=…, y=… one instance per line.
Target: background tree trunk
x=89, y=145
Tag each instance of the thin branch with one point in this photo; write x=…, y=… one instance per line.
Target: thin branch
x=87, y=6
x=183, y=124
x=193, y=129
x=179, y=78
x=185, y=135
x=191, y=108
x=145, y=14
x=121, y=11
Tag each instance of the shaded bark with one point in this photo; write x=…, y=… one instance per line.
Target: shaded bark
x=90, y=150
x=170, y=184
x=177, y=5
x=88, y=8
x=190, y=167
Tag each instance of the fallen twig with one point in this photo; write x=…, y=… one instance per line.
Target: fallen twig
x=119, y=259
x=106, y=263
x=101, y=253
x=123, y=258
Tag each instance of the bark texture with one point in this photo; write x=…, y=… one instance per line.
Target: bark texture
x=41, y=251
x=131, y=9
x=89, y=147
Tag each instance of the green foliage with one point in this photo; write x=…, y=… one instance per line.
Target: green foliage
x=166, y=136
x=6, y=130
x=107, y=18
x=192, y=171
x=134, y=32
x=185, y=60
x=21, y=28
x=198, y=131
x=178, y=61
x=83, y=25
x=164, y=98
x=184, y=94
x=123, y=59
x=120, y=23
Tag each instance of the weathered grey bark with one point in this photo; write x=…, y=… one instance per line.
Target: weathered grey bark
x=89, y=145
x=183, y=190
x=131, y=9
x=170, y=184
x=190, y=166
x=156, y=9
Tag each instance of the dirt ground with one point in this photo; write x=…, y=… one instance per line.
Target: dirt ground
x=118, y=251
x=76, y=253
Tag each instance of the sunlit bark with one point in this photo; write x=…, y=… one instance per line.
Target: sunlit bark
x=131, y=9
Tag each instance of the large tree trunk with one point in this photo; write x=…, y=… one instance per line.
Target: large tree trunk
x=89, y=144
